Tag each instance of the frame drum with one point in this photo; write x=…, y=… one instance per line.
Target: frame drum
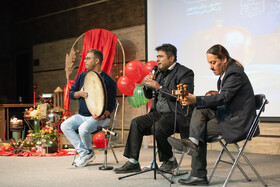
x=97, y=94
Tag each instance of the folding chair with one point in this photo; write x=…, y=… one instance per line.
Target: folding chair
x=261, y=101
x=109, y=139
x=177, y=171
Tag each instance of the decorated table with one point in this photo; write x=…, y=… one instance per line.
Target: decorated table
x=42, y=138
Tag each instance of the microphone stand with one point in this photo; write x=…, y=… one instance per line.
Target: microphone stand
x=105, y=166
x=154, y=166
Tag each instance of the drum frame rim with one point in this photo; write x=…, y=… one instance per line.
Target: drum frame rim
x=105, y=93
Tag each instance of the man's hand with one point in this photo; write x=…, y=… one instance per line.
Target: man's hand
x=191, y=99
x=81, y=93
x=150, y=82
x=146, y=79
x=102, y=117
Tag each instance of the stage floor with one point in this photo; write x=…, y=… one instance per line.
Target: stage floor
x=58, y=171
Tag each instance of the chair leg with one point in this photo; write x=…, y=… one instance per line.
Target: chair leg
x=224, y=148
x=74, y=157
x=235, y=161
x=232, y=168
x=216, y=165
x=177, y=172
x=113, y=152
x=251, y=165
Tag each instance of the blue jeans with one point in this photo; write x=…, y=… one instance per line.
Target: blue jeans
x=82, y=142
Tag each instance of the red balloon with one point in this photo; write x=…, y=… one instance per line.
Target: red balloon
x=148, y=67
x=99, y=139
x=125, y=85
x=143, y=74
x=134, y=71
x=140, y=63
x=141, y=79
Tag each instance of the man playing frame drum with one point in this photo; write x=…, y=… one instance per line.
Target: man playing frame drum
x=96, y=92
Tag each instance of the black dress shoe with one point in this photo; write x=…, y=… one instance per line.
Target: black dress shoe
x=128, y=167
x=194, y=181
x=185, y=145
x=168, y=166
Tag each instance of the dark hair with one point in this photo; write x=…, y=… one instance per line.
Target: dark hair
x=169, y=49
x=221, y=52
x=97, y=54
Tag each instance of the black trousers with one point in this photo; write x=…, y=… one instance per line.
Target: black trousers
x=143, y=125
x=203, y=125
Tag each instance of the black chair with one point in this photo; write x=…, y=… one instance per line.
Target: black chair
x=261, y=101
x=112, y=122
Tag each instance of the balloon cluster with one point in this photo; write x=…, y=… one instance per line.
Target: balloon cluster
x=129, y=84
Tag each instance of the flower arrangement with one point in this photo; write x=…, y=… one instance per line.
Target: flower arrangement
x=49, y=132
x=24, y=143
x=33, y=140
x=38, y=138
x=34, y=113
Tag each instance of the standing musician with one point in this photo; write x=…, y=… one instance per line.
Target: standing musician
x=170, y=74
x=229, y=112
x=85, y=122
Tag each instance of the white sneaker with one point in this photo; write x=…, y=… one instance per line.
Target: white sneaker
x=77, y=160
x=83, y=161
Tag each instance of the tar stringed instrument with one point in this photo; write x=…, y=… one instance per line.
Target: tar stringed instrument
x=181, y=92
x=97, y=94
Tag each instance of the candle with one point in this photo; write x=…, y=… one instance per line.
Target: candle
x=35, y=86
x=34, y=99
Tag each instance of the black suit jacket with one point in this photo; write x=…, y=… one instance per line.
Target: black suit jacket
x=179, y=74
x=235, y=104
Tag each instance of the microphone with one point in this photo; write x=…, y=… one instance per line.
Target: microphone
x=154, y=72
x=107, y=131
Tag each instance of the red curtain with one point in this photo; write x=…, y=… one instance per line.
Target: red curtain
x=103, y=40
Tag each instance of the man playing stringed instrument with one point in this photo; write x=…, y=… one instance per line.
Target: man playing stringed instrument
x=86, y=122
x=228, y=112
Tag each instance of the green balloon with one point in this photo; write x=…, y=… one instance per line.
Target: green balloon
x=132, y=102
x=138, y=99
x=139, y=95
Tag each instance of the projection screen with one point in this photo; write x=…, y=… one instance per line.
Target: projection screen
x=249, y=29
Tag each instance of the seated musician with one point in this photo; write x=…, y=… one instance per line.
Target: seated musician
x=170, y=74
x=85, y=122
x=228, y=113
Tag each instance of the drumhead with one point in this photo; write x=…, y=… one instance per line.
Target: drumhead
x=97, y=94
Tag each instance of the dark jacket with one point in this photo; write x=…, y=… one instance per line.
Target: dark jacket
x=179, y=74
x=235, y=104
